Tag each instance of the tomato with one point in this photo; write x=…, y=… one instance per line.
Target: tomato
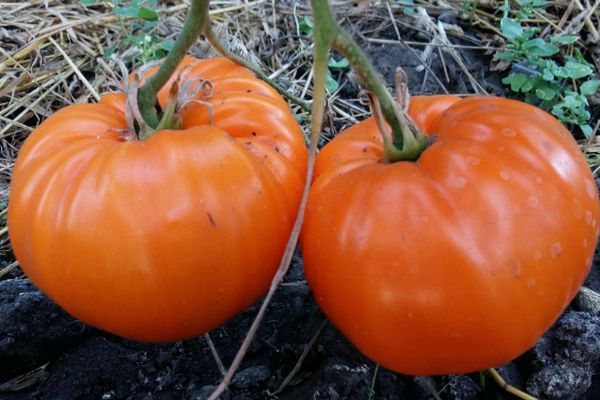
x=461, y=260
x=164, y=238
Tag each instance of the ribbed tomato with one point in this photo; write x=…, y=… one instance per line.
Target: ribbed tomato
x=164, y=238
x=459, y=261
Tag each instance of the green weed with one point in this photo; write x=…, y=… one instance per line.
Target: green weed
x=552, y=74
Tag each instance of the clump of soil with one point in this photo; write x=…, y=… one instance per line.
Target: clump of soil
x=79, y=362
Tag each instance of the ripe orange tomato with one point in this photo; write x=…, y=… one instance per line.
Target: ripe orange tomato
x=164, y=238
x=459, y=261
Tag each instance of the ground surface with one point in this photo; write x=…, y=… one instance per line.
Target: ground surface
x=45, y=354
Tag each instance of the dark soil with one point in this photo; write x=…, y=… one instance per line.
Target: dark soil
x=46, y=354
x=84, y=363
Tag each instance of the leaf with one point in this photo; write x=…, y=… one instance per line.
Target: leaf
x=564, y=39
x=330, y=83
x=516, y=81
x=528, y=85
x=540, y=48
x=551, y=67
x=306, y=25
x=149, y=25
x=130, y=10
x=546, y=92
x=511, y=29
x=577, y=70
x=338, y=65
x=507, y=55
x=167, y=44
x=590, y=87
x=408, y=11
x=108, y=52
x=587, y=130
x=147, y=14
x=548, y=75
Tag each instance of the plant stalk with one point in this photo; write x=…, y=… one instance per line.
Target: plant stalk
x=407, y=143
x=195, y=23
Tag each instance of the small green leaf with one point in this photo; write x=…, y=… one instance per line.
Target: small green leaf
x=338, y=65
x=108, y=52
x=527, y=86
x=511, y=29
x=507, y=55
x=546, y=92
x=147, y=14
x=331, y=85
x=516, y=81
x=149, y=25
x=540, y=48
x=306, y=25
x=551, y=67
x=587, y=130
x=577, y=70
x=127, y=11
x=564, y=39
x=548, y=75
x=408, y=11
x=167, y=44
x=590, y=87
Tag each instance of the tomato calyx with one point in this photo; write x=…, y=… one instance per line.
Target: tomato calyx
x=171, y=118
x=183, y=91
x=413, y=141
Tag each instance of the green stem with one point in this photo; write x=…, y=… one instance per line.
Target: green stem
x=406, y=143
x=195, y=23
x=225, y=52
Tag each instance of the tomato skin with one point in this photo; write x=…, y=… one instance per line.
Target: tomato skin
x=166, y=238
x=462, y=260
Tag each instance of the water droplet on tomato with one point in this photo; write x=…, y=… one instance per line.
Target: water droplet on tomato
x=504, y=175
x=585, y=243
x=533, y=201
x=509, y=132
x=537, y=255
x=460, y=182
x=556, y=250
x=530, y=282
x=588, y=217
x=539, y=179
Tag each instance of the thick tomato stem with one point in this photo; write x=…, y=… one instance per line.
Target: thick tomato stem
x=406, y=143
x=413, y=140
x=171, y=119
x=195, y=22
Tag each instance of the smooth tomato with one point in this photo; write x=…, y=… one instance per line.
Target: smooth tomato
x=169, y=237
x=459, y=261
